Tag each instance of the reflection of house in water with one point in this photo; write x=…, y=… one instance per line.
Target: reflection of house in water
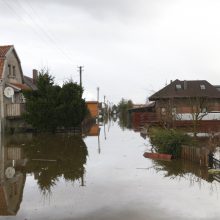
x=12, y=178
x=94, y=130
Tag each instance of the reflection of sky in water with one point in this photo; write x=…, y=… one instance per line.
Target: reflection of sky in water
x=120, y=187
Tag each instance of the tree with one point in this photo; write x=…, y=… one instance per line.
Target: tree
x=72, y=108
x=123, y=107
x=41, y=105
x=51, y=106
x=199, y=109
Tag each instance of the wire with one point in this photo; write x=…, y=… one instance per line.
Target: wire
x=43, y=32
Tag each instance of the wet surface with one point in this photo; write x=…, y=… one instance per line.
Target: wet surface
x=100, y=177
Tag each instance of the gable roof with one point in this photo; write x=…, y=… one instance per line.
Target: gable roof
x=2, y=62
x=186, y=89
x=29, y=82
x=3, y=52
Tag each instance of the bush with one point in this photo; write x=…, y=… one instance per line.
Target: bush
x=168, y=141
x=51, y=106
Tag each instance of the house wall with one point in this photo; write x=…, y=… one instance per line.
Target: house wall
x=12, y=74
x=93, y=109
x=15, y=75
x=183, y=108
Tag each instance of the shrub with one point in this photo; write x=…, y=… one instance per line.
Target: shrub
x=168, y=141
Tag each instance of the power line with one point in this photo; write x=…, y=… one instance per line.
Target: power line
x=43, y=32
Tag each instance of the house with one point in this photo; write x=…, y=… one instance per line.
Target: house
x=187, y=101
x=12, y=83
x=93, y=107
x=140, y=115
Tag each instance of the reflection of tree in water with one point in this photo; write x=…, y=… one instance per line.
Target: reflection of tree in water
x=54, y=156
x=123, y=121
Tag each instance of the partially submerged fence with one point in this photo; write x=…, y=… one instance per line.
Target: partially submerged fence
x=195, y=154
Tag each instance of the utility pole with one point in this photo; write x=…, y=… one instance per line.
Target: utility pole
x=97, y=94
x=80, y=75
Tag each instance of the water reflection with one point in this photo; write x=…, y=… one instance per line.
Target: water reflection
x=12, y=178
x=182, y=169
x=47, y=156
x=54, y=156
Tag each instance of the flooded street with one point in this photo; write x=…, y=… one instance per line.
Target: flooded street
x=101, y=177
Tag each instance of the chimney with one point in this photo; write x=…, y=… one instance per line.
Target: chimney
x=171, y=81
x=35, y=76
x=185, y=84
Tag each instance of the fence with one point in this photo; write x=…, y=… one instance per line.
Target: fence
x=195, y=154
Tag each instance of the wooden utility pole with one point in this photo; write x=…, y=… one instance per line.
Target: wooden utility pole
x=80, y=75
x=97, y=94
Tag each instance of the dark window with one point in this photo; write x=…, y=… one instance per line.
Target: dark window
x=9, y=70
x=14, y=73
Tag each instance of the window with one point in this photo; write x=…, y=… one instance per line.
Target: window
x=9, y=69
x=202, y=87
x=13, y=71
x=178, y=86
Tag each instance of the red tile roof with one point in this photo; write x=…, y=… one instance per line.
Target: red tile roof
x=2, y=61
x=4, y=50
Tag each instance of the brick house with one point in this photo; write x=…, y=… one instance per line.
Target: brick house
x=12, y=83
x=185, y=101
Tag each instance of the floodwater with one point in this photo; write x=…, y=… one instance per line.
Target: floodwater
x=100, y=177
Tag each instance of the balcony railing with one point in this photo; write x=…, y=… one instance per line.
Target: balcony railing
x=15, y=110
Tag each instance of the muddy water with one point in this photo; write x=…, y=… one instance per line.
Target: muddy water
x=101, y=177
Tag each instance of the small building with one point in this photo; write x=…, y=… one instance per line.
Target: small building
x=140, y=115
x=93, y=107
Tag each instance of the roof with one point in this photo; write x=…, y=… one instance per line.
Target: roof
x=4, y=50
x=29, y=81
x=91, y=102
x=143, y=107
x=186, y=89
x=2, y=61
x=21, y=86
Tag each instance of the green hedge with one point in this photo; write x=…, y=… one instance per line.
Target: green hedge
x=168, y=141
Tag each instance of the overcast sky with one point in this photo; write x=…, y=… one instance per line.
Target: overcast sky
x=129, y=48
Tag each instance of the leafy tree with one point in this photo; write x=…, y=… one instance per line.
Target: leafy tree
x=123, y=107
x=72, y=108
x=41, y=105
x=51, y=106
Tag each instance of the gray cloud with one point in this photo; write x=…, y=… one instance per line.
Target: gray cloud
x=128, y=48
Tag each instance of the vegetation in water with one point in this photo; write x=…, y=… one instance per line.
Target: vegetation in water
x=123, y=107
x=168, y=141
